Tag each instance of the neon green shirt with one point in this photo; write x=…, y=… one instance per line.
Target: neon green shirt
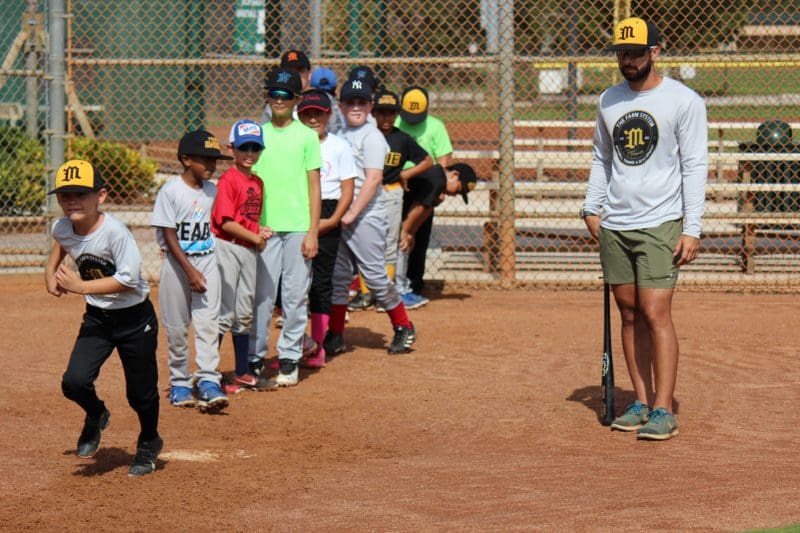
x=430, y=134
x=289, y=153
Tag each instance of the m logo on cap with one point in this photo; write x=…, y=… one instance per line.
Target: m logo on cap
x=626, y=32
x=71, y=173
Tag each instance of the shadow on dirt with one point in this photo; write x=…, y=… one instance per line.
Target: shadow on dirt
x=592, y=396
x=107, y=460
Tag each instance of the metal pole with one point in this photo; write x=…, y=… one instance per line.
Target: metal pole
x=353, y=27
x=57, y=94
x=316, y=28
x=32, y=63
x=507, y=230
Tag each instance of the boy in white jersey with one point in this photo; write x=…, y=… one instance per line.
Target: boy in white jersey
x=648, y=175
x=189, y=290
x=118, y=311
x=336, y=187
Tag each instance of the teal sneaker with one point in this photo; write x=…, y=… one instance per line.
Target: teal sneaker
x=633, y=418
x=661, y=426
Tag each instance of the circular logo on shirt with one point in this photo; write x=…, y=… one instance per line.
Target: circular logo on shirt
x=93, y=267
x=635, y=137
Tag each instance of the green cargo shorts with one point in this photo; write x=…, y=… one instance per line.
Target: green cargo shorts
x=643, y=256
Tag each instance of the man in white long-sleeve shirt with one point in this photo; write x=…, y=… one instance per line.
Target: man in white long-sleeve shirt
x=644, y=204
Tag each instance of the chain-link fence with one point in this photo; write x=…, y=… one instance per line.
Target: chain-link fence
x=516, y=83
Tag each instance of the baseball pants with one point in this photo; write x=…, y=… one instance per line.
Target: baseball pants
x=282, y=260
x=133, y=331
x=363, y=245
x=393, y=203
x=237, y=275
x=322, y=265
x=180, y=307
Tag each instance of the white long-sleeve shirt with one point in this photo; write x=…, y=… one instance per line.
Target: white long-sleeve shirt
x=650, y=158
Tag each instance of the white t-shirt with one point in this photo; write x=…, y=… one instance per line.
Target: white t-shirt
x=110, y=250
x=650, y=157
x=337, y=166
x=188, y=210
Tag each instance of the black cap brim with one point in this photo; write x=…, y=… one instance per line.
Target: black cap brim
x=76, y=188
x=413, y=118
x=211, y=156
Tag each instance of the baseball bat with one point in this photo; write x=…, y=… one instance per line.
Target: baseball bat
x=607, y=414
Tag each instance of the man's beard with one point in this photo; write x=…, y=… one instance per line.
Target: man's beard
x=640, y=74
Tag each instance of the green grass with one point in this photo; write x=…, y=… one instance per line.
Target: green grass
x=787, y=529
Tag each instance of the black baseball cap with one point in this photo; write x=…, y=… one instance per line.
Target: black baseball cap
x=386, y=100
x=365, y=74
x=356, y=88
x=467, y=177
x=634, y=34
x=200, y=143
x=295, y=59
x=315, y=99
x=284, y=78
x=77, y=175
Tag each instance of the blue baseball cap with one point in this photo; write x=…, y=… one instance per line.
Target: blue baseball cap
x=324, y=78
x=246, y=131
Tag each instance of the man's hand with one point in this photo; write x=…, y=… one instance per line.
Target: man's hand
x=686, y=249
x=593, y=225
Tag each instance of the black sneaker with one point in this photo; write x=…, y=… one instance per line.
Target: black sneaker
x=146, y=454
x=333, y=344
x=256, y=368
x=93, y=427
x=361, y=302
x=403, y=339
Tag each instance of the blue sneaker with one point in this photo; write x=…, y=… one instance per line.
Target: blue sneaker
x=181, y=397
x=660, y=426
x=412, y=300
x=211, y=397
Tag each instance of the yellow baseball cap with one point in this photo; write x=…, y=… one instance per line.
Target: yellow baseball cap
x=634, y=34
x=414, y=105
x=77, y=175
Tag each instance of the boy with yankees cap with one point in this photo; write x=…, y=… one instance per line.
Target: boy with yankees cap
x=364, y=227
x=118, y=310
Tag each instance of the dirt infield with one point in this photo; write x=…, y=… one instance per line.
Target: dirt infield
x=490, y=424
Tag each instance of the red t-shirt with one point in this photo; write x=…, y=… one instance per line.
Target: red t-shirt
x=239, y=198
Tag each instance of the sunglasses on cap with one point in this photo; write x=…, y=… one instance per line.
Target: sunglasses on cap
x=280, y=94
x=252, y=148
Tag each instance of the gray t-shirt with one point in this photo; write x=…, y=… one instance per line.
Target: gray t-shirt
x=369, y=151
x=188, y=210
x=110, y=250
